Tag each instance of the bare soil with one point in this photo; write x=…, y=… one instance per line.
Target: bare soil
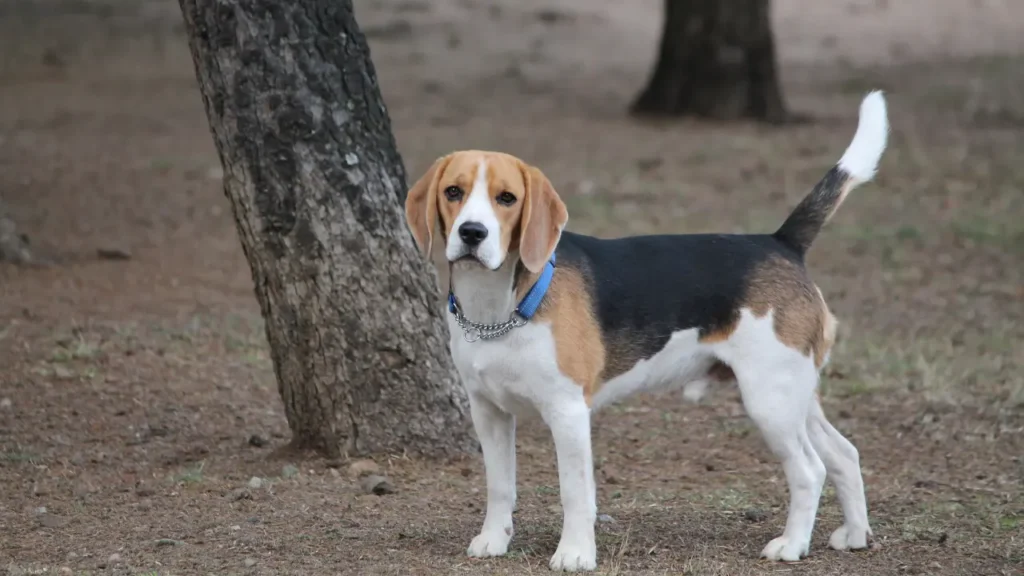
x=137, y=400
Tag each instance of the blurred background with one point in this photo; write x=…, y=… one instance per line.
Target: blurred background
x=138, y=401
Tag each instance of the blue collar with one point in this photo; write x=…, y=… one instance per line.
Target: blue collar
x=529, y=304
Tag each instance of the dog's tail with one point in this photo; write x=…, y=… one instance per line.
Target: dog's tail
x=856, y=167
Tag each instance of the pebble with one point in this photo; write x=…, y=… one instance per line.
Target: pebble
x=114, y=558
x=255, y=483
x=754, y=514
x=239, y=494
x=51, y=521
x=605, y=518
x=257, y=441
x=249, y=562
x=363, y=468
x=378, y=485
x=289, y=470
x=5, y=403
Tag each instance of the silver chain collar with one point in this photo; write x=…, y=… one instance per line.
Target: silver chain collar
x=473, y=331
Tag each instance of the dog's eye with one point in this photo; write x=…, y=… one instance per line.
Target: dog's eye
x=453, y=193
x=506, y=199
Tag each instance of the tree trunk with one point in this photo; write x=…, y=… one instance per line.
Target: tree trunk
x=13, y=246
x=716, y=60
x=356, y=334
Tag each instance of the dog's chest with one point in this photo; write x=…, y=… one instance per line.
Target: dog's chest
x=518, y=372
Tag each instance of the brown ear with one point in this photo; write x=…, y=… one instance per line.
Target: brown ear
x=544, y=216
x=421, y=205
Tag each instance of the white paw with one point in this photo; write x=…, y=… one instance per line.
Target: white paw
x=490, y=543
x=785, y=549
x=574, y=557
x=847, y=538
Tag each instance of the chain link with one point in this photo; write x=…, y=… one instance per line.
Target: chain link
x=473, y=331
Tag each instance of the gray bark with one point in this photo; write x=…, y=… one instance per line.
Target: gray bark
x=13, y=246
x=358, y=341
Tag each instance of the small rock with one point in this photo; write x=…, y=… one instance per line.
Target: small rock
x=335, y=473
x=289, y=470
x=114, y=558
x=215, y=173
x=249, y=562
x=586, y=188
x=754, y=514
x=5, y=403
x=239, y=494
x=605, y=518
x=255, y=483
x=62, y=373
x=257, y=441
x=236, y=527
x=41, y=510
x=378, y=485
x=166, y=542
x=113, y=254
x=363, y=468
x=52, y=521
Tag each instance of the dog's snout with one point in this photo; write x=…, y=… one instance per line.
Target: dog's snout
x=472, y=233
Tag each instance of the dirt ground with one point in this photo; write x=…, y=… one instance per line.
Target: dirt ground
x=137, y=400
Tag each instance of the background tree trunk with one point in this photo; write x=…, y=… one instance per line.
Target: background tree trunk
x=355, y=329
x=716, y=60
x=13, y=246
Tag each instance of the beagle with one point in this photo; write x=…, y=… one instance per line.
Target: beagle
x=549, y=323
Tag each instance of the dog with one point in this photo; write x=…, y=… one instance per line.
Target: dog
x=549, y=323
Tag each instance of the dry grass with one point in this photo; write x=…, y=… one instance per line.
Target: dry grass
x=131, y=391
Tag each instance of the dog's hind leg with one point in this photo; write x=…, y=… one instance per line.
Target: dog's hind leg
x=843, y=465
x=777, y=397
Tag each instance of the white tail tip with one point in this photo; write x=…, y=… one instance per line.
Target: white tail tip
x=860, y=160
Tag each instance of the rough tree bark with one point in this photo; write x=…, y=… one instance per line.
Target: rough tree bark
x=716, y=60
x=315, y=181
x=13, y=246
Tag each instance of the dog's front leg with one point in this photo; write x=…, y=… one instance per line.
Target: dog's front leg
x=496, y=430
x=570, y=427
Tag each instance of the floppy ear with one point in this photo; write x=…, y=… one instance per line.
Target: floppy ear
x=544, y=217
x=421, y=205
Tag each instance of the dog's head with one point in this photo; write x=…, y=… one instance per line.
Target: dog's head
x=486, y=206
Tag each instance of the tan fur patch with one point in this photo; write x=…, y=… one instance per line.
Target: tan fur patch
x=578, y=345
x=782, y=287
x=720, y=335
x=828, y=332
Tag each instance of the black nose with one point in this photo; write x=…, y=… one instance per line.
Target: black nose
x=472, y=233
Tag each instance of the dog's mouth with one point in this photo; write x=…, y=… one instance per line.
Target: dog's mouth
x=470, y=260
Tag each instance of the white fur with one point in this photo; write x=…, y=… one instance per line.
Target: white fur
x=861, y=158
x=478, y=208
x=517, y=376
